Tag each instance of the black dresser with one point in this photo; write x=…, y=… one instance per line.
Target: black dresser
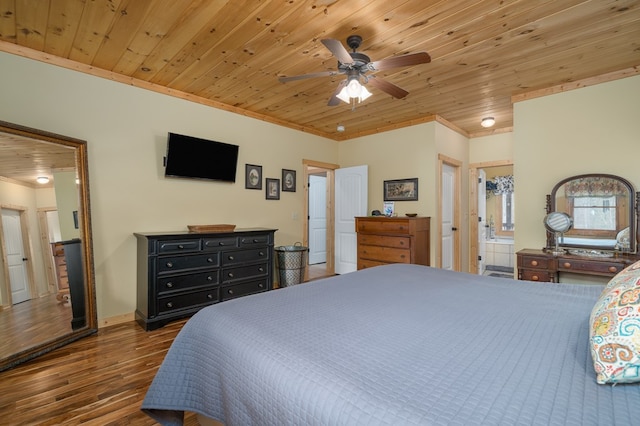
x=180, y=273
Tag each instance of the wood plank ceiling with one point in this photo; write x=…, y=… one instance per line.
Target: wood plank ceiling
x=230, y=53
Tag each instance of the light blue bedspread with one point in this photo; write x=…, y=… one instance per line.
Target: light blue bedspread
x=393, y=345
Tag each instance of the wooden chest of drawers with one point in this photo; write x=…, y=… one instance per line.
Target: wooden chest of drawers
x=538, y=265
x=383, y=240
x=180, y=273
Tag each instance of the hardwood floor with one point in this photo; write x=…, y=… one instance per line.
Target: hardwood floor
x=35, y=321
x=98, y=380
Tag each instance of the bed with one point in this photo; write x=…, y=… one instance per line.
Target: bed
x=392, y=345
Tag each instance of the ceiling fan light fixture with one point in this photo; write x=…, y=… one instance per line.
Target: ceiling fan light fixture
x=353, y=90
x=42, y=179
x=488, y=122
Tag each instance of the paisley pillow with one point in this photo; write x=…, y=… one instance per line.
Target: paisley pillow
x=615, y=329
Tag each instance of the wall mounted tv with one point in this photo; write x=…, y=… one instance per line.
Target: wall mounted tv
x=190, y=157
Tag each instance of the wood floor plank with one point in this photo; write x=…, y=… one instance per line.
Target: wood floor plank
x=98, y=380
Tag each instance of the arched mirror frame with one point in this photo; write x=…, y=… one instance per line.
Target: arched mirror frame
x=634, y=203
x=86, y=248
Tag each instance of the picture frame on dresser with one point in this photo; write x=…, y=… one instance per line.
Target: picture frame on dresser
x=401, y=190
x=252, y=176
x=273, y=189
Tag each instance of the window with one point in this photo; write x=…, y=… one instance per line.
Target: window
x=507, y=215
x=594, y=213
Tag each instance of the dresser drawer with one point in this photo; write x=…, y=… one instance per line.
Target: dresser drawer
x=383, y=227
x=187, y=300
x=384, y=240
x=242, y=272
x=178, y=263
x=165, y=247
x=236, y=257
x=242, y=289
x=181, y=282
x=217, y=243
x=536, y=275
x=384, y=254
x=367, y=263
x=534, y=262
x=254, y=240
x=599, y=268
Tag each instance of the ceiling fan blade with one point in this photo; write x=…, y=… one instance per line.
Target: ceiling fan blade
x=338, y=50
x=387, y=87
x=334, y=100
x=305, y=76
x=400, y=61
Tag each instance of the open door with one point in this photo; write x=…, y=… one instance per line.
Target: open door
x=351, y=186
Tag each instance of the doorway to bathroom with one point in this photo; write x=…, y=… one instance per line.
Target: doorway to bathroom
x=492, y=219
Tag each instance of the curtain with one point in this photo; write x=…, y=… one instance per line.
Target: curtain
x=501, y=185
x=595, y=187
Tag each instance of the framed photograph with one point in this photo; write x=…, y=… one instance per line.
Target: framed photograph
x=273, y=189
x=288, y=180
x=401, y=190
x=252, y=176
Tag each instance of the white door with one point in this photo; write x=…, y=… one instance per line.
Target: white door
x=16, y=259
x=317, y=219
x=482, y=220
x=447, y=215
x=351, y=187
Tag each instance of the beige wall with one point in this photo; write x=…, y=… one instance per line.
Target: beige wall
x=126, y=130
x=590, y=130
x=408, y=153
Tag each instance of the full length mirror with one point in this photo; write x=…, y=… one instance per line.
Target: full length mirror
x=47, y=291
x=603, y=210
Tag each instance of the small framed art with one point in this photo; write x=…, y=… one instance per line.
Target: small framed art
x=288, y=180
x=273, y=189
x=252, y=176
x=401, y=190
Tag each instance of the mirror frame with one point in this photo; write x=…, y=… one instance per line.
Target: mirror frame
x=634, y=219
x=87, y=251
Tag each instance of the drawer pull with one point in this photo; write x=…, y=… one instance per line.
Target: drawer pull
x=231, y=258
x=169, y=284
x=169, y=264
x=566, y=265
x=221, y=243
x=209, y=278
x=256, y=241
x=261, y=285
x=534, y=263
x=535, y=278
x=230, y=291
x=210, y=260
x=169, y=305
x=613, y=269
x=261, y=269
x=180, y=246
x=230, y=275
x=261, y=253
x=209, y=296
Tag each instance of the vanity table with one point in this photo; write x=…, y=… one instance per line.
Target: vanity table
x=602, y=238
x=540, y=265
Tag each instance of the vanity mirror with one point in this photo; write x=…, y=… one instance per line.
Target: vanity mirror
x=603, y=209
x=47, y=291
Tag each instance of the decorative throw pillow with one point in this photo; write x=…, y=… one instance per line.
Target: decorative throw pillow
x=615, y=329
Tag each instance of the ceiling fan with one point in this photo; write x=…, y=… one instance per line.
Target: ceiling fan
x=356, y=65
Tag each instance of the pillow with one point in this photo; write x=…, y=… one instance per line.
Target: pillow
x=615, y=329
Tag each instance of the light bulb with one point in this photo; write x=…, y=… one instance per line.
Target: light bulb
x=353, y=88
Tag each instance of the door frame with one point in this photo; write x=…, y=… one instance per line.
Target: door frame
x=308, y=167
x=47, y=252
x=473, y=207
x=457, y=165
x=24, y=228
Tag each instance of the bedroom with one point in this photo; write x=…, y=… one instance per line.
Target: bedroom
x=553, y=137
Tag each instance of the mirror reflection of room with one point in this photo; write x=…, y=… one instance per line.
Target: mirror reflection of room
x=39, y=201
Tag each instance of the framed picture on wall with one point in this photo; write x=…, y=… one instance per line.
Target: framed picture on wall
x=252, y=176
x=401, y=190
x=273, y=189
x=288, y=180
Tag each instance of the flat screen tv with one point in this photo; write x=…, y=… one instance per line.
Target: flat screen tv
x=191, y=157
